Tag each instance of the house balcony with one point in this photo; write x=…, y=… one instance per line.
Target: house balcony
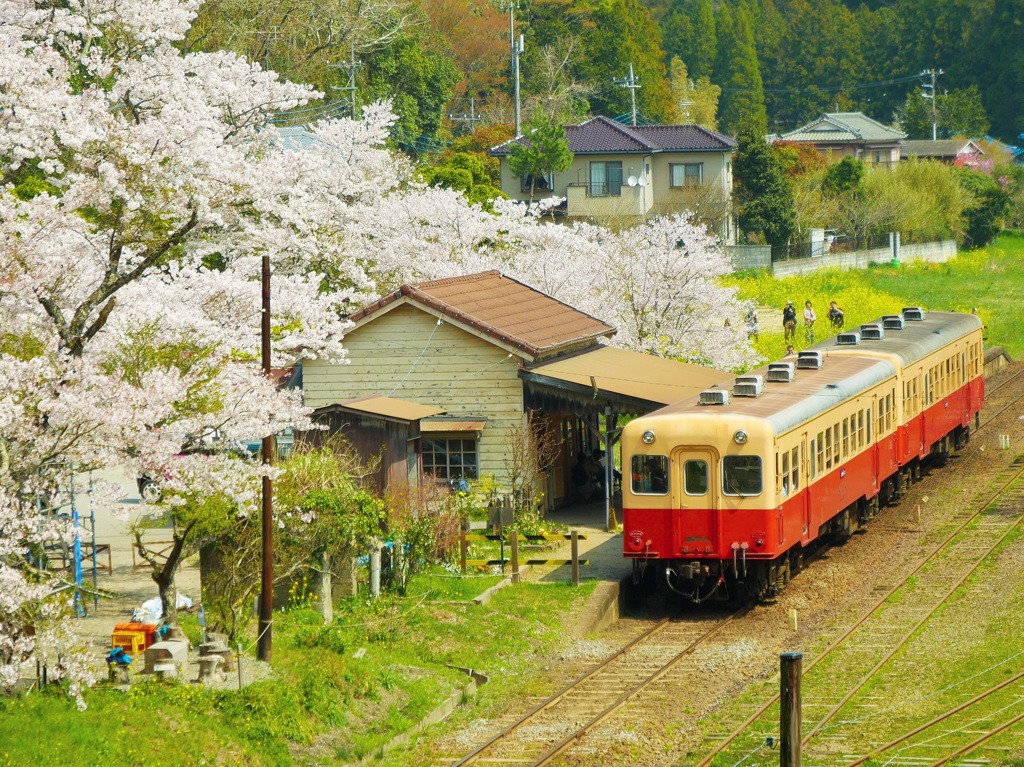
x=607, y=199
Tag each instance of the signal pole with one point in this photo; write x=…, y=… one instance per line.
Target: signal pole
x=632, y=83
x=934, y=74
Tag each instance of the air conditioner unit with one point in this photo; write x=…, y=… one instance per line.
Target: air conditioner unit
x=781, y=372
x=892, y=322
x=810, y=360
x=913, y=313
x=848, y=339
x=713, y=397
x=872, y=332
x=748, y=386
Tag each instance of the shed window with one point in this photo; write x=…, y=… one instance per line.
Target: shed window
x=450, y=458
x=649, y=474
x=741, y=475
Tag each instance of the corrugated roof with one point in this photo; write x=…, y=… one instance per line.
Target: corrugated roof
x=630, y=374
x=503, y=308
x=844, y=126
x=391, y=407
x=601, y=135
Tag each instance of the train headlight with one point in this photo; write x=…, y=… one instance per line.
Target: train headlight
x=648, y=437
x=740, y=437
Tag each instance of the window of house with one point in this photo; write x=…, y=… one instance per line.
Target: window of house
x=605, y=179
x=649, y=474
x=682, y=174
x=450, y=458
x=741, y=475
x=539, y=182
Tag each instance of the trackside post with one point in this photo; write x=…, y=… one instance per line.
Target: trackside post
x=791, y=672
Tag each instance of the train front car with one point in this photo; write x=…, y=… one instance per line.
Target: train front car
x=694, y=487
x=723, y=493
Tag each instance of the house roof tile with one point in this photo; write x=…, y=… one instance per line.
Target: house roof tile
x=504, y=309
x=844, y=126
x=601, y=135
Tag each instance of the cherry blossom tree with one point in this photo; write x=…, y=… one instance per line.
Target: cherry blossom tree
x=140, y=189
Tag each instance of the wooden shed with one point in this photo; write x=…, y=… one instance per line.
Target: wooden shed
x=493, y=352
x=380, y=430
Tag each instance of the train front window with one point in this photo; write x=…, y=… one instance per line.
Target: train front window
x=741, y=475
x=695, y=476
x=649, y=474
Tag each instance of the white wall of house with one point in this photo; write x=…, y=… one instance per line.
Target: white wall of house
x=436, y=365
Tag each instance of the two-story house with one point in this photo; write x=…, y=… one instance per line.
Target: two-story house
x=621, y=171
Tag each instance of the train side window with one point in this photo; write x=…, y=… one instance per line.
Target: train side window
x=813, y=461
x=846, y=438
x=888, y=413
x=835, y=442
x=828, y=448
x=784, y=484
x=695, y=477
x=867, y=422
x=796, y=468
x=741, y=475
x=927, y=389
x=821, y=452
x=649, y=474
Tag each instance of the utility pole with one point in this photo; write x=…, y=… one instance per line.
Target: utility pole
x=263, y=641
x=471, y=119
x=517, y=47
x=934, y=74
x=632, y=83
x=351, y=66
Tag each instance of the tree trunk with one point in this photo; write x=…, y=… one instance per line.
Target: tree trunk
x=326, y=600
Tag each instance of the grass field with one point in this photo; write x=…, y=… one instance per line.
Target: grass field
x=991, y=279
x=329, y=702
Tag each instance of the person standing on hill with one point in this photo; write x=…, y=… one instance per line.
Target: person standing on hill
x=809, y=318
x=789, y=321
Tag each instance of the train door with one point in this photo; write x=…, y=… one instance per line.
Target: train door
x=804, y=479
x=695, y=493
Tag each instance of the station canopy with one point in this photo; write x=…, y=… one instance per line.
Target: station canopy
x=627, y=381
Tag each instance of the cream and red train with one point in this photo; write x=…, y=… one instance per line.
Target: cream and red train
x=724, y=492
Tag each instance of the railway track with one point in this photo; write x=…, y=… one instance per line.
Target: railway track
x=561, y=721
x=884, y=629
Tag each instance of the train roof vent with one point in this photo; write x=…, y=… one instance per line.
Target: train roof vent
x=810, y=360
x=713, y=397
x=872, y=332
x=748, y=386
x=848, y=339
x=913, y=313
x=781, y=372
x=892, y=322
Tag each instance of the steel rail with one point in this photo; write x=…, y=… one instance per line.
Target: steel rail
x=940, y=718
x=625, y=697
x=836, y=643
x=977, y=742
x=908, y=634
x=473, y=755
